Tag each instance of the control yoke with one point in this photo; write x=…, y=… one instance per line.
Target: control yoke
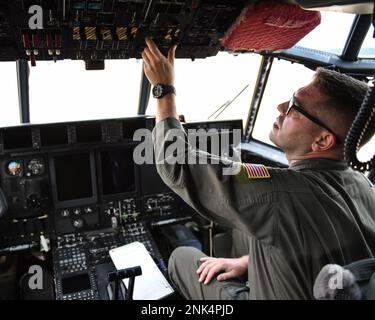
x=117, y=276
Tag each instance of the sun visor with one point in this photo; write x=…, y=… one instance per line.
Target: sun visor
x=271, y=26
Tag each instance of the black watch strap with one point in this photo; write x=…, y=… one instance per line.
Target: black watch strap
x=160, y=90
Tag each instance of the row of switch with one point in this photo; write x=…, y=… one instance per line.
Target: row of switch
x=31, y=227
x=76, y=211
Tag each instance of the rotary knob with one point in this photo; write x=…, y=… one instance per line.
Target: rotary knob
x=88, y=210
x=65, y=213
x=78, y=223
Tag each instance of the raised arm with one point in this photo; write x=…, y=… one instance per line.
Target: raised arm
x=160, y=69
x=226, y=191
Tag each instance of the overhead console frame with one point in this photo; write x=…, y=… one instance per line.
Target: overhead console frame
x=314, y=58
x=94, y=31
x=348, y=6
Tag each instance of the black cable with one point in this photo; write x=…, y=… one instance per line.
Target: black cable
x=357, y=130
x=371, y=175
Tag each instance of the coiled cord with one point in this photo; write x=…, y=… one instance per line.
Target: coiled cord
x=357, y=131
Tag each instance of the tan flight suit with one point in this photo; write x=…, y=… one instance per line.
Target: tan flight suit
x=299, y=219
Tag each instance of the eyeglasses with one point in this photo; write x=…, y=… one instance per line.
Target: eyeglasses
x=292, y=104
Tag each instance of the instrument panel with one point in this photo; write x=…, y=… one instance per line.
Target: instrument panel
x=95, y=30
x=78, y=195
x=58, y=182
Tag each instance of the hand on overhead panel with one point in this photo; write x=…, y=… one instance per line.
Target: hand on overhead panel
x=157, y=67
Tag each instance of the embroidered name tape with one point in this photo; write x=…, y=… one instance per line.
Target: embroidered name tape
x=256, y=171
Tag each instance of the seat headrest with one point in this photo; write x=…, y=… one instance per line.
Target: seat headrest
x=270, y=25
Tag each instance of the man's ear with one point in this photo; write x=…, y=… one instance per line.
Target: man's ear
x=325, y=141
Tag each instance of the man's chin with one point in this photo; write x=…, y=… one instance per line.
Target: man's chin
x=273, y=139
x=271, y=136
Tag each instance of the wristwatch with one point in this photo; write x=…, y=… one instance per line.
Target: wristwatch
x=160, y=90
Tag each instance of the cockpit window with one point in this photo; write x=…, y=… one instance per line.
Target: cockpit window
x=368, y=46
x=284, y=79
x=367, y=151
x=331, y=34
x=205, y=85
x=65, y=91
x=9, y=110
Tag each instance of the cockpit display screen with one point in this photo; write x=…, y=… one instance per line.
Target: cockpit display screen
x=73, y=176
x=76, y=283
x=118, y=174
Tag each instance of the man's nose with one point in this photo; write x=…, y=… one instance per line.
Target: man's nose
x=282, y=107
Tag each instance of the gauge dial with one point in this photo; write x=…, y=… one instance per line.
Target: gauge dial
x=14, y=168
x=35, y=166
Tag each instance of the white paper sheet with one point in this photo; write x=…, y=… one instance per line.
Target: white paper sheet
x=151, y=285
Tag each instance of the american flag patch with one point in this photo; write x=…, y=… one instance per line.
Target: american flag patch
x=256, y=171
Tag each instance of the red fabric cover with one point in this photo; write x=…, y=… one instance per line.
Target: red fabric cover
x=270, y=25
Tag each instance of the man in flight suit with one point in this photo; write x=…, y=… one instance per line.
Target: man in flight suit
x=297, y=220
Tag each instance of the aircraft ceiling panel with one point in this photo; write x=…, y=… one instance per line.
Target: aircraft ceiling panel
x=94, y=30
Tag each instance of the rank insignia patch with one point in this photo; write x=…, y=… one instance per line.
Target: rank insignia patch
x=256, y=171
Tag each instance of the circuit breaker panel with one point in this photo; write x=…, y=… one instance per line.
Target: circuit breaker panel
x=95, y=30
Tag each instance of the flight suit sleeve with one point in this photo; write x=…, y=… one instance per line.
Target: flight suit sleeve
x=233, y=200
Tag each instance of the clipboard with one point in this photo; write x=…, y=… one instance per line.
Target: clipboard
x=152, y=284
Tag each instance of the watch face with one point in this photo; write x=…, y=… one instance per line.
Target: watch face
x=158, y=90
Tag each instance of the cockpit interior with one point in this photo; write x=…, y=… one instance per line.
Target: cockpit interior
x=70, y=188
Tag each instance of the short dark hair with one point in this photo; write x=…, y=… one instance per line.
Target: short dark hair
x=345, y=95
